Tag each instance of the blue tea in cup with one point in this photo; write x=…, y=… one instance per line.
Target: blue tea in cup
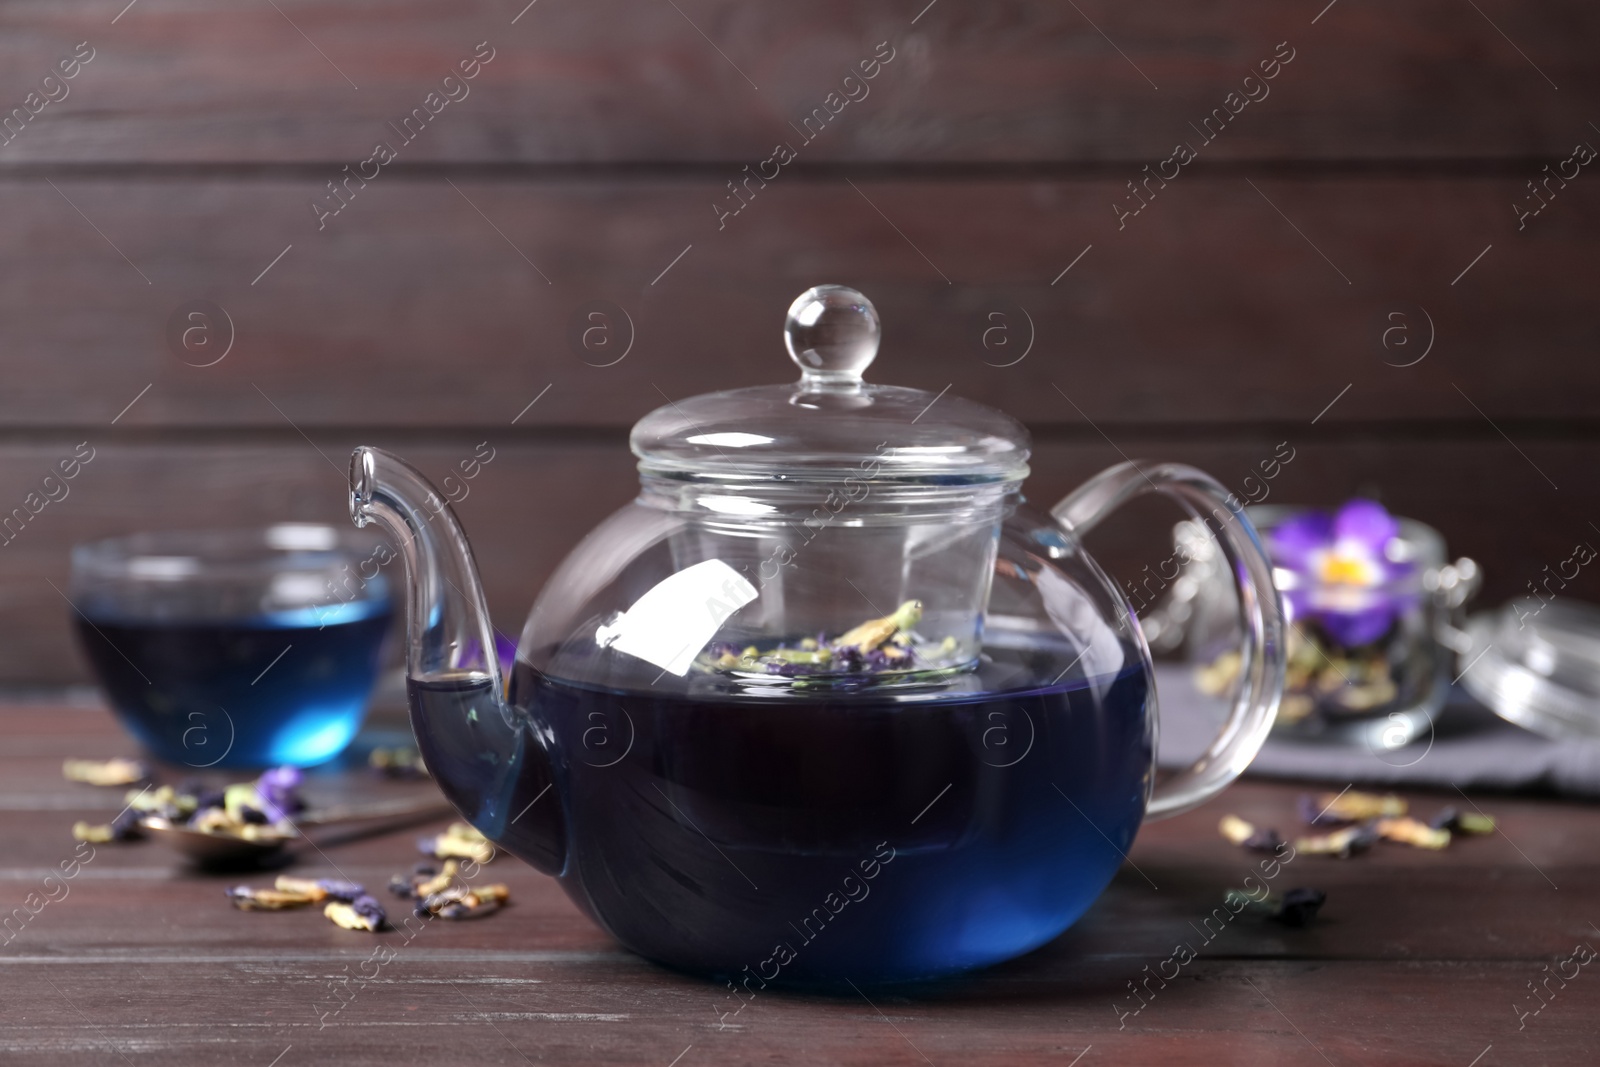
x=237, y=648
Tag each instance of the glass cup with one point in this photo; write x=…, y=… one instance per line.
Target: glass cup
x=235, y=648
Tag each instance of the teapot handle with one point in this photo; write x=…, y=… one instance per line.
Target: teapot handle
x=1262, y=658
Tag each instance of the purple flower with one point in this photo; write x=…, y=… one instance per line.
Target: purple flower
x=505, y=650
x=368, y=908
x=1340, y=571
x=338, y=889
x=278, y=791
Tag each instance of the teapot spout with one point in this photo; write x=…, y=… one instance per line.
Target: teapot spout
x=449, y=636
x=487, y=759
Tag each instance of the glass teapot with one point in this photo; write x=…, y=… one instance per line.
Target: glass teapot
x=826, y=701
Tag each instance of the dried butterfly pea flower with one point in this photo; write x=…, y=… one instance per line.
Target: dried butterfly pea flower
x=1342, y=843
x=338, y=889
x=105, y=772
x=205, y=797
x=241, y=804
x=1463, y=822
x=1247, y=835
x=464, y=902
x=1235, y=829
x=278, y=793
x=362, y=913
x=368, y=906
x=437, y=883
x=460, y=841
x=888, y=657
x=875, y=646
x=869, y=635
x=218, y=821
x=802, y=656
x=1264, y=841
x=472, y=906
x=275, y=899
x=1335, y=809
x=212, y=820
x=425, y=878
x=169, y=803
x=1410, y=831
x=320, y=889
x=1296, y=907
x=127, y=826
x=405, y=885
x=309, y=888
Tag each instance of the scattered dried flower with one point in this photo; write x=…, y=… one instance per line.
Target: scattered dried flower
x=218, y=821
x=169, y=803
x=869, y=635
x=460, y=841
x=1336, y=809
x=127, y=826
x=124, y=827
x=1463, y=822
x=438, y=883
x=875, y=646
x=1409, y=831
x=362, y=913
x=1296, y=907
x=338, y=889
x=464, y=902
x=1248, y=835
x=1235, y=829
x=320, y=889
x=105, y=772
x=291, y=892
x=1342, y=843
x=278, y=793
x=277, y=898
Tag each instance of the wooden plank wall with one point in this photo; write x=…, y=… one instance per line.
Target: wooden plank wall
x=1366, y=193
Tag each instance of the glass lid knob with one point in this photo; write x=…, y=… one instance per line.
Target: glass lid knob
x=832, y=335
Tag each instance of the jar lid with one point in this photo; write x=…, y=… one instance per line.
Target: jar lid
x=831, y=424
x=1537, y=664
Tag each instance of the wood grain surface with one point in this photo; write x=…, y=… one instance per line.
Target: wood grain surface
x=413, y=309
x=715, y=80
x=1342, y=266
x=1418, y=958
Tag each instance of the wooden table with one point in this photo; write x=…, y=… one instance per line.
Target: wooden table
x=1418, y=958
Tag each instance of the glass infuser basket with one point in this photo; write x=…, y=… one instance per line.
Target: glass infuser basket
x=827, y=700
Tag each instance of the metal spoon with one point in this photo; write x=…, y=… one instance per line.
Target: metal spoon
x=227, y=850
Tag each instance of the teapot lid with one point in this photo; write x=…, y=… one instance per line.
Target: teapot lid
x=831, y=424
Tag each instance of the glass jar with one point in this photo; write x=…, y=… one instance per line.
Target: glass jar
x=1372, y=605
